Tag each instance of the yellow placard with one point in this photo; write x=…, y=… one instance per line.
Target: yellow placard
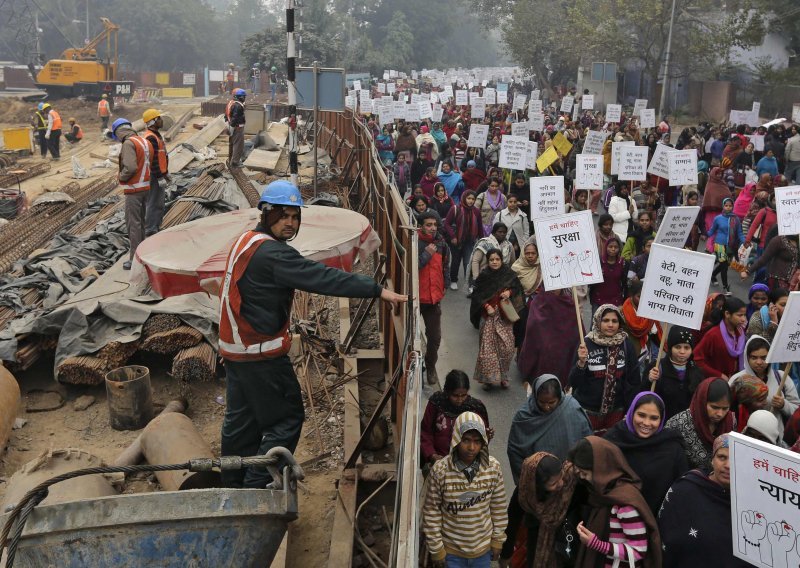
x=548, y=157
x=562, y=144
x=162, y=78
x=177, y=92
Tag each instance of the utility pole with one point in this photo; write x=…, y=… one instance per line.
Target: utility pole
x=665, y=83
x=88, y=37
x=290, y=78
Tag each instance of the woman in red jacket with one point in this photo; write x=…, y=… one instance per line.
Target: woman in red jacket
x=721, y=351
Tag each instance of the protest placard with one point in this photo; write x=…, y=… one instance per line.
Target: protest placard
x=568, y=250
x=364, y=94
x=676, y=226
x=765, y=498
x=593, y=144
x=391, y=88
x=613, y=113
x=534, y=107
x=796, y=113
x=632, y=164
x=638, y=106
x=562, y=144
x=512, y=152
x=588, y=171
x=436, y=113
x=478, y=108
x=547, y=196
x=758, y=142
x=490, y=95
x=615, y=150
x=740, y=117
x=683, y=167
x=659, y=164
x=478, y=133
x=546, y=159
x=412, y=113
x=416, y=98
x=531, y=154
x=535, y=94
x=434, y=97
x=350, y=101
x=357, y=85
x=787, y=201
x=536, y=121
x=785, y=346
x=502, y=97
x=448, y=91
x=676, y=286
x=519, y=102
x=425, y=110
x=461, y=98
x=382, y=87
x=647, y=118
x=519, y=129
x=587, y=102
x=566, y=103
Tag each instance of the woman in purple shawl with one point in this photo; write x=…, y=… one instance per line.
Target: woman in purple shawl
x=551, y=336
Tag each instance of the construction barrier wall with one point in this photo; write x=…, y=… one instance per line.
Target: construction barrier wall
x=350, y=146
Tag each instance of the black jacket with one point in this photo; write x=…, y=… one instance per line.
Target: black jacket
x=588, y=382
x=676, y=394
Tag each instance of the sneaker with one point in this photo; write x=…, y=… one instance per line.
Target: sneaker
x=454, y=285
x=469, y=292
x=126, y=265
x=714, y=282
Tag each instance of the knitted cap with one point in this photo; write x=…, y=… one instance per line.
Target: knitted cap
x=765, y=423
x=678, y=335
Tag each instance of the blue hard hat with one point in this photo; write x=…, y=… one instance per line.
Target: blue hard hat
x=239, y=93
x=116, y=124
x=40, y=106
x=281, y=192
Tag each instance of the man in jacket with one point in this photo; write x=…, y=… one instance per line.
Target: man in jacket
x=264, y=403
x=234, y=116
x=134, y=178
x=53, y=132
x=75, y=133
x=434, y=277
x=792, y=155
x=39, y=122
x=159, y=170
x=104, y=112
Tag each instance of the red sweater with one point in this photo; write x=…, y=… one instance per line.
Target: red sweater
x=437, y=431
x=712, y=356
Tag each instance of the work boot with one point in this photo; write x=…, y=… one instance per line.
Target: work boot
x=126, y=265
x=432, y=376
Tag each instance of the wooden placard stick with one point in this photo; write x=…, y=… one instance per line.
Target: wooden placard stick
x=664, y=331
x=578, y=315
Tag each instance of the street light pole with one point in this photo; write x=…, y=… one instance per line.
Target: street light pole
x=662, y=103
x=87, y=22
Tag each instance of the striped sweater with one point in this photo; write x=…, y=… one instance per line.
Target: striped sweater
x=465, y=518
x=625, y=527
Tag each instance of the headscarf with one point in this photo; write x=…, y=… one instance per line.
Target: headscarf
x=442, y=401
x=638, y=326
x=699, y=414
x=597, y=336
x=551, y=511
x=450, y=181
x=615, y=483
x=764, y=183
x=488, y=285
x=465, y=422
x=747, y=390
x=720, y=442
x=753, y=289
x=716, y=190
x=632, y=410
x=530, y=275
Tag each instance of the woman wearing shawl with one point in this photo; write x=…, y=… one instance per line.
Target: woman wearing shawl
x=655, y=454
x=638, y=328
x=384, y=143
x=606, y=373
x=714, y=303
x=709, y=415
x=463, y=228
x=721, y=351
x=452, y=181
x=439, y=136
x=419, y=166
x=490, y=202
x=406, y=142
x=496, y=240
x=780, y=259
x=619, y=528
x=695, y=521
x=759, y=297
x=428, y=182
x=578, y=201
x=473, y=176
x=496, y=282
x=765, y=320
x=529, y=272
x=441, y=202
x=749, y=395
x=614, y=287
x=678, y=375
x=551, y=336
x=726, y=230
x=716, y=191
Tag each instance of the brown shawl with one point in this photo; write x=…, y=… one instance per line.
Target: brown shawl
x=716, y=190
x=615, y=483
x=550, y=512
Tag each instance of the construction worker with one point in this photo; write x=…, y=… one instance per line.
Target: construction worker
x=273, y=81
x=234, y=116
x=39, y=122
x=264, y=403
x=104, y=112
x=159, y=170
x=230, y=77
x=53, y=132
x=75, y=133
x=134, y=178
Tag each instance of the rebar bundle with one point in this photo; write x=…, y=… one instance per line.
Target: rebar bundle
x=10, y=180
x=184, y=211
x=172, y=341
x=198, y=363
x=158, y=323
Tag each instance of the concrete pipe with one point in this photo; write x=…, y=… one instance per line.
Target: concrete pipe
x=56, y=462
x=132, y=455
x=172, y=438
x=9, y=405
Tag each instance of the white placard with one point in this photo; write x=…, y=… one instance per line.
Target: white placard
x=588, y=171
x=796, y=113
x=632, y=163
x=366, y=106
x=765, y=490
x=741, y=117
x=473, y=95
x=478, y=133
x=615, y=150
x=756, y=108
x=519, y=102
x=425, y=110
x=356, y=85
x=683, y=167
x=659, y=164
x=490, y=95
x=787, y=201
x=676, y=286
x=594, y=142
x=478, y=108
x=364, y=95
x=350, y=102
x=382, y=88
x=384, y=109
x=416, y=98
x=502, y=97
x=547, y=196
x=436, y=113
x=189, y=78
x=785, y=345
x=566, y=103
x=412, y=113
x=399, y=109
x=216, y=76
x=758, y=142
x=638, y=106
x=677, y=225
x=391, y=88
x=512, y=152
x=519, y=129
x=531, y=154
x=461, y=98
x=568, y=250
x=647, y=118
x=536, y=94
x=587, y=102
x=613, y=113
x=448, y=91
x=434, y=97
x=534, y=106
x=536, y=121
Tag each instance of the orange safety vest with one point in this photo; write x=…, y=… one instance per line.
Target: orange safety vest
x=140, y=180
x=102, y=108
x=229, y=107
x=79, y=134
x=238, y=341
x=161, y=151
x=56, y=120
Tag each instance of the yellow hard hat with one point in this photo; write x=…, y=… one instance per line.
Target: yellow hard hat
x=46, y=106
x=150, y=114
x=71, y=119
x=105, y=96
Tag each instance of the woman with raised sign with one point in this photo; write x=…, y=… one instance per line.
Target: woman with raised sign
x=677, y=377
